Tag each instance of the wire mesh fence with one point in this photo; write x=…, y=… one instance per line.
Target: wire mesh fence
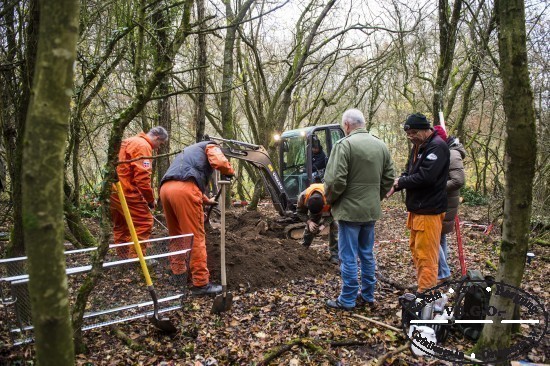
x=120, y=294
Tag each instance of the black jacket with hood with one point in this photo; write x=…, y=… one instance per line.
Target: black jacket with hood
x=426, y=177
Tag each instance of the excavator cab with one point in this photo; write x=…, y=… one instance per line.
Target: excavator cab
x=303, y=155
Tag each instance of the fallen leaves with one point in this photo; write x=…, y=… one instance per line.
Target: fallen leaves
x=264, y=319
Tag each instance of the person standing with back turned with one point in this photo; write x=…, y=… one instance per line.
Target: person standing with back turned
x=359, y=173
x=182, y=195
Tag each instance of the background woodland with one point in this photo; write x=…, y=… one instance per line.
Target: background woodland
x=248, y=69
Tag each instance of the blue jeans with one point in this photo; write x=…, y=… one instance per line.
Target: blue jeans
x=443, y=270
x=356, y=240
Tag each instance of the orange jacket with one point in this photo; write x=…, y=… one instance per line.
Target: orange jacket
x=135, y=177
x=218, y=160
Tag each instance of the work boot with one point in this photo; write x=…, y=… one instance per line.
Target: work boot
x=209, y=289
x=337, y=305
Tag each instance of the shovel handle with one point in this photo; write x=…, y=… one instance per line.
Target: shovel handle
x=130, y=224
x=222, y=232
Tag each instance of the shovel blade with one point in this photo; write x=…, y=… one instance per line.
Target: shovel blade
x=222, y=303
x=163, y=324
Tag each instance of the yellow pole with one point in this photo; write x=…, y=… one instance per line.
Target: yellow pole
x=130, y=224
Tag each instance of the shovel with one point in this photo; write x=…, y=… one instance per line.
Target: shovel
x=223, y=301
x=163, y=324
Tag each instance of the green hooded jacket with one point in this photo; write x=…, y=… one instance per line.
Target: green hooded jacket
x=359, y=173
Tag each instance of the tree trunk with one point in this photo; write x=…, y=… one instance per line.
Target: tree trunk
x=139, y=57
x=15, y=129
x=447, y=41
x=161, y=21
x=78, y=229
x=228, y=67
x=42, y=184
x=200, y=107
x=16, y=92
x=520, y=162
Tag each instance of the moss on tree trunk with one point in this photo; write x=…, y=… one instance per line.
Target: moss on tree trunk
x=520, y=162
x=44, y=143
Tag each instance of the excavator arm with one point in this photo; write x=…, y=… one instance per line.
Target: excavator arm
x=257, y=156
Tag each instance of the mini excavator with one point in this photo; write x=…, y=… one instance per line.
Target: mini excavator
x=296, y=170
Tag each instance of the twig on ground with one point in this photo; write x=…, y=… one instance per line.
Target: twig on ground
x=491, y=264
x=347, y=343
x=126, y=339
x=395, y=284
x=383, y=359
x=378, y=323
x=541, y=242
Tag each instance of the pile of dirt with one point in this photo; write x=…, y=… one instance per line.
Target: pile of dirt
x=258, y=254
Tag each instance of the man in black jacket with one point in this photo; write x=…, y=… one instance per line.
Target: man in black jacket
x=318, y=156
x=425, y=181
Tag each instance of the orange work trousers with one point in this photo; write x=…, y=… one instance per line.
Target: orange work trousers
x=182, y=204
x=424, y=244
x=143, y=223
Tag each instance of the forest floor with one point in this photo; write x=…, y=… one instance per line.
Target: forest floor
x=279, y=311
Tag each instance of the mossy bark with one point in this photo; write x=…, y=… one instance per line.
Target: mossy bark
x=44, y=141
x=520, y=162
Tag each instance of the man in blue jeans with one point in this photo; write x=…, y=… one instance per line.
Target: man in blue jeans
x=358, y=175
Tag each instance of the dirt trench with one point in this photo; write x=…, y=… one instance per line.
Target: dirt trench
x=258, y=254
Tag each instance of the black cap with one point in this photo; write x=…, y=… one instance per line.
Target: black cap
x=315, y=203
x=416, y=121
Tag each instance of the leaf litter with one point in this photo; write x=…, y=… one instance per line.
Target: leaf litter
x=279, y=291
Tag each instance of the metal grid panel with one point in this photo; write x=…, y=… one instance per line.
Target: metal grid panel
x=120, y=295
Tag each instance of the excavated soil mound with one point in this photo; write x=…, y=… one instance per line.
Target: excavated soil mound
x=258, y=255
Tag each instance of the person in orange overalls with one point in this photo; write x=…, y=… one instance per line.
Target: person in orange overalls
x=135, y=178
x=425, y=182
x=312, y=208
x=182, y=196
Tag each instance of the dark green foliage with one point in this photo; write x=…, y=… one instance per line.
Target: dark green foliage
x=472, y=197
x=89, y=204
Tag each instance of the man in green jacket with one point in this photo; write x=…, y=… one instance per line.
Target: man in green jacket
x=359, y=173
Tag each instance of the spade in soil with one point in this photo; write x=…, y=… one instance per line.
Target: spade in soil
x=223, y=301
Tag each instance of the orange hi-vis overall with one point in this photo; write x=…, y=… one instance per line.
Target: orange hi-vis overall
x=135, y=178
x=424, y=244
x=182, y=202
